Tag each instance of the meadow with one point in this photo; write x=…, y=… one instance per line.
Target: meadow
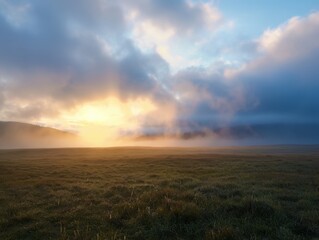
x=160, y=193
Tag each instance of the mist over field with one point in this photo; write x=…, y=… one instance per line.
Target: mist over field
x=21, y=135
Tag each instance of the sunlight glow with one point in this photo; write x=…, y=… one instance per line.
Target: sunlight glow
x=102, y=121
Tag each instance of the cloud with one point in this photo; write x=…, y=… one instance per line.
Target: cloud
x=284, y=78
x=292, y=40
x=185, y=17
x=271, y=99
x=60, y=58
x=175, y=30
x=283, y=82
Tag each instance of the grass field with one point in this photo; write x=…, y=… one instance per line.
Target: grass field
x=160, y=193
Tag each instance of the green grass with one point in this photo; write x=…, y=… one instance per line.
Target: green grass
x=146, y=193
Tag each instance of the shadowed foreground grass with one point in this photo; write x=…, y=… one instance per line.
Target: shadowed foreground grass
x=146, y=193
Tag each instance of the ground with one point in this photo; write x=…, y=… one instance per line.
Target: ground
x=160, y=193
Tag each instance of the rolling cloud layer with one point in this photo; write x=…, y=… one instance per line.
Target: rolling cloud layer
x=146, y=64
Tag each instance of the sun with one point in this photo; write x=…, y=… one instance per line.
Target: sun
x=107, y=113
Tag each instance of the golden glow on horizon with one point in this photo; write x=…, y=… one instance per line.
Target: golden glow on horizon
x=100, y=123
x=112, y=121
x=111, y=112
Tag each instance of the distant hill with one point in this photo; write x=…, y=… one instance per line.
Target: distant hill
x=23, y=135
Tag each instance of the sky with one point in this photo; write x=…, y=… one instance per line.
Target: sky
x=163, y=72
